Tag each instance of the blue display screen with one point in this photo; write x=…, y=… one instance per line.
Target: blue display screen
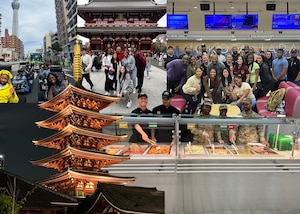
x=285, y=21
x=177, y=22
x=218, y=22
x=244, y=22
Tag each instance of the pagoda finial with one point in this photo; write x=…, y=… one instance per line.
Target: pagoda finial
x=77, y=67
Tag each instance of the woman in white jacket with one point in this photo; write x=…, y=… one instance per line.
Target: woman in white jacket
x=125, y=86
x=191, y=90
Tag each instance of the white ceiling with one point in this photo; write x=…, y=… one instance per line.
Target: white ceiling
x=264, y=32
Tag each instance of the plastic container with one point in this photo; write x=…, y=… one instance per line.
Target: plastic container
x=283, y=142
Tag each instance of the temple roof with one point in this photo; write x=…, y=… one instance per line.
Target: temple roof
x=40, y=196
x=80, y=98
x=81, y=153
x=121, y=5
x=69, y=130
x=76, y=116
x=86, y=176
x=125, y=199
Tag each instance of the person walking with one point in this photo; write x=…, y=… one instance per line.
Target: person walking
x=87, y=64
x=140, y=67
x=106, y=64
x=148, y=64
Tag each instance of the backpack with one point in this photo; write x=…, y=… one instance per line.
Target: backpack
x=275, y=99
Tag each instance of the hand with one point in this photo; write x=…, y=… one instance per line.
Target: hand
x=232, y=138
x=221, y=141
x=119, y=95
x=145, y=137
x=198, y=88
x=265, y=143
x=177, y=89
x=12, y=90
x=205, y=134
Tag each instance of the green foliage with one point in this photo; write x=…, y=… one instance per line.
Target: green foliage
x=56, y=48
x=6, y=204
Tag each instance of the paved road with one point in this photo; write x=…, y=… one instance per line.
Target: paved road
x=153, y=87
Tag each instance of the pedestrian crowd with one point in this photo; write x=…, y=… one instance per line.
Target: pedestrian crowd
x=124, y=71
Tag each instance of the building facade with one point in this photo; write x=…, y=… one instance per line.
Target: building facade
x=131, y=25
x=14, y=43
x=66, y=21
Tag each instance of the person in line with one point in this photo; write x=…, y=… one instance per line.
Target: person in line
x=87, y=64
x=124, y=86
x=7, y=91
x=55, y=85
x=241, y=91
x=163, y=133
x=129, y=62
x=140, y=64
x=106, y=64
x=141, y=133
x=247, y=133
x=279, y=69
x=241, y=69
x=211, y=84
x=176, y=74
x=148, y=64
x=293, y=71
x=191, y=91
x=265, y=75
x=226, y=84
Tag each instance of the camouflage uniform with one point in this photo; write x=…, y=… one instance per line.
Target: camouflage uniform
x=249, y=133
x=199, y=138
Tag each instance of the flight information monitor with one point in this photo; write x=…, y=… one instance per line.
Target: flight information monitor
x=177, y=22
x=285, y=21
x=218, y=22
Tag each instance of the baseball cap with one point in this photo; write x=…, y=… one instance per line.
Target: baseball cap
x=223, y=107
x=207, y=102
x=203, y=45
x=83, y=48
x=167, y=95
x=294, y=50
x=142, y=95
x=247, y=100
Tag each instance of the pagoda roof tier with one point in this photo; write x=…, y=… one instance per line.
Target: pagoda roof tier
x=80, y=98
x=92, y=31
x=84, y=175
x=79, y=137
x=72, y=157
x=78, y=117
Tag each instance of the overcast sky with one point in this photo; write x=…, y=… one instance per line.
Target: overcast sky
x=36, y=18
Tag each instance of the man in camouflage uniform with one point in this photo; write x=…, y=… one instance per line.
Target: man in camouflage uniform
x=223, y=134
x=248, y=133
x=203, y=132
